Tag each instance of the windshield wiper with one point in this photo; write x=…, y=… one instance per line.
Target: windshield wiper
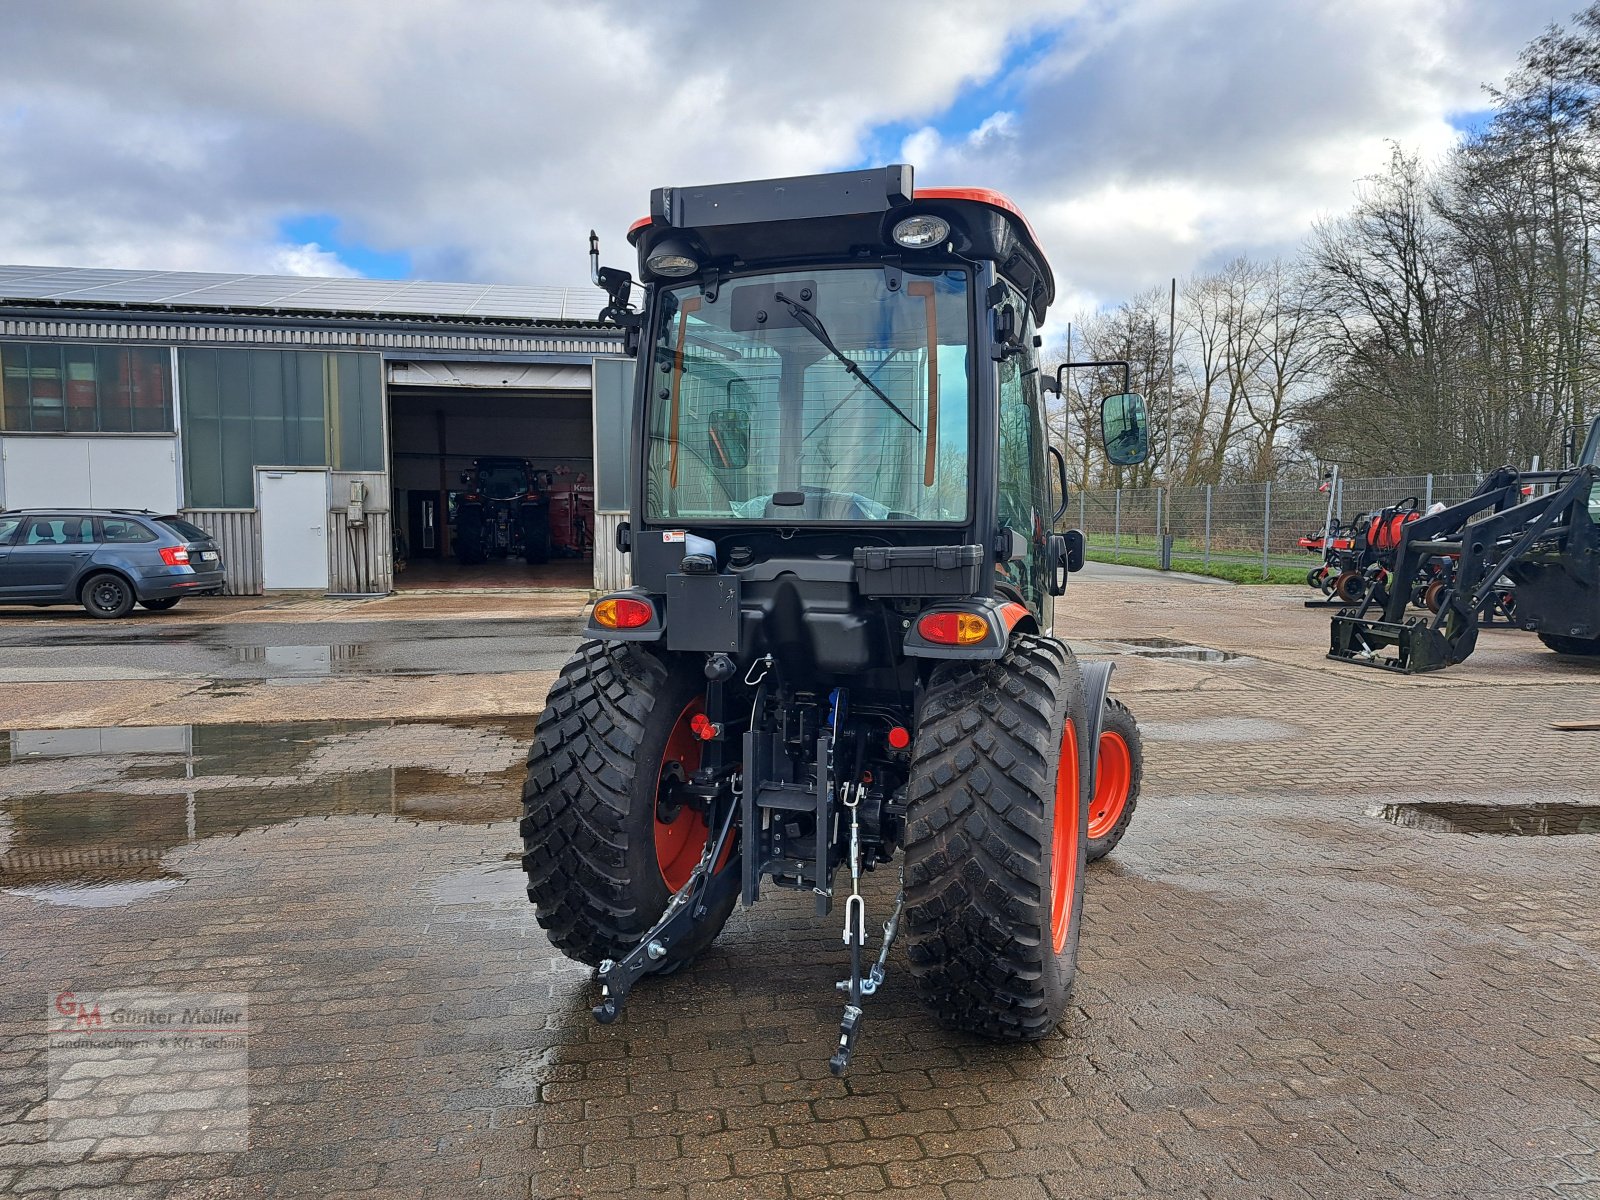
x=848, y=396
x=811, y=325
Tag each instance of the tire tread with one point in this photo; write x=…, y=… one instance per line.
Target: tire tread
x=976, y=876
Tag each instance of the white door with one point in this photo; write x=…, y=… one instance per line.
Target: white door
x=294, y=528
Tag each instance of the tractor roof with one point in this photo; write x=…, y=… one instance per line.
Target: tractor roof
x=844, y=216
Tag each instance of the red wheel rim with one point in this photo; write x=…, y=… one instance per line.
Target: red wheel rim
x=1113, y=779
x=1064, y=840
x=681, y=841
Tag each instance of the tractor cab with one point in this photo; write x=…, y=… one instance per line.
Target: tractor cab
x=844, y=369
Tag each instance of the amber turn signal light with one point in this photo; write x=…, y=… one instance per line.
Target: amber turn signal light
x=622, y=613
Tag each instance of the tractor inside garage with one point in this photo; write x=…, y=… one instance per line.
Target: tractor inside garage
x=493, y=475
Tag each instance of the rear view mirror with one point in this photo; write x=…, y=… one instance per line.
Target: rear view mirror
x=1125, y=429
x=728, y=439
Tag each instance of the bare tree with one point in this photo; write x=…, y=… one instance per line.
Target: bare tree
x=1287, y=367
x=1133, y=333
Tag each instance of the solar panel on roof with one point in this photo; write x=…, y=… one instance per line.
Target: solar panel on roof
x=200, y=290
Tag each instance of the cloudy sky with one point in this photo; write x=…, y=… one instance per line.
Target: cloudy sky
x=481, y=139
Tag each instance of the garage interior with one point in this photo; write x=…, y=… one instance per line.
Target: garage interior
x=442, y=416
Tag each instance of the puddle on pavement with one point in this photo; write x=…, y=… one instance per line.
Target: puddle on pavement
x=1521, y=820
x=95, y=895
x=1170, y=649
x=110, y=739
x=330, y=659
x=88, y=816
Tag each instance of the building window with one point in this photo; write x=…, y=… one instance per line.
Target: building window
x=52, y=387
x=244, y=409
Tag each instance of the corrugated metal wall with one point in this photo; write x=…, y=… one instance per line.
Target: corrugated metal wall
x=238, y=533
x=359, y=563
x=361, y=557
x=610, y=566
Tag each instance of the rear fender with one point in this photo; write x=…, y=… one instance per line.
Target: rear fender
x=1096, y=687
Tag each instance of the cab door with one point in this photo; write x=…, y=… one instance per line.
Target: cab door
x=1023, y=483
x=48, y=556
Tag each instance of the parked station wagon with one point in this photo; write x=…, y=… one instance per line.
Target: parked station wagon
x=107, y=560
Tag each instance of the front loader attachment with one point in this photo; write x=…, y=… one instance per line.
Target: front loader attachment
x=1416, y=645
x=1513, y=540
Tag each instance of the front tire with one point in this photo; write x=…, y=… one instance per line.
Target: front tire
x=601, y=860
x=107, y=596
x=1117, y=779
x=995, y=841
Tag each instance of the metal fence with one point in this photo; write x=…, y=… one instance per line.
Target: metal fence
x=1247, y=523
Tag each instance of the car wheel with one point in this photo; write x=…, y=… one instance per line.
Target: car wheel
x=108, y=596
x=161, y=605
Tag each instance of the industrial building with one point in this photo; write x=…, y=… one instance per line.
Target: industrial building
x=317, y=427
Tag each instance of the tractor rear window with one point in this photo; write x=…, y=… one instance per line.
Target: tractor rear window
x=502, y=481
x=824, y=395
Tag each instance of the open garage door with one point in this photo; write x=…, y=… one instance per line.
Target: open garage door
x=443, y=416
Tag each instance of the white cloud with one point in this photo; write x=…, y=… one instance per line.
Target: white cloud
x=1162, y=135
x=1144, y=137
x=309, y=259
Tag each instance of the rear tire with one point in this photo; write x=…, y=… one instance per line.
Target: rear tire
x=107, y=596
x=596, y=857
x=163, y=605
x=1564, y=644
x=995, y=841
x=1117, y=781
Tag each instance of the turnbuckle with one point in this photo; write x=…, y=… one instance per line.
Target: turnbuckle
x=857, y=987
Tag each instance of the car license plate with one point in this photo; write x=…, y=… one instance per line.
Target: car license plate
x=208, y=556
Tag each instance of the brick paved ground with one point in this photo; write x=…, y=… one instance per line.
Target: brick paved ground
x=1278, y=996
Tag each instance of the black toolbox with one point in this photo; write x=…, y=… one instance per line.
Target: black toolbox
x=919, y=570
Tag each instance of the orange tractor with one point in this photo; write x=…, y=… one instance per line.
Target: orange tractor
x=840, y=651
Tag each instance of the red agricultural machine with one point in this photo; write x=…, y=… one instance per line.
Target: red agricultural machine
x=1358, y=558
x=1334, y=543
x=840, y=649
